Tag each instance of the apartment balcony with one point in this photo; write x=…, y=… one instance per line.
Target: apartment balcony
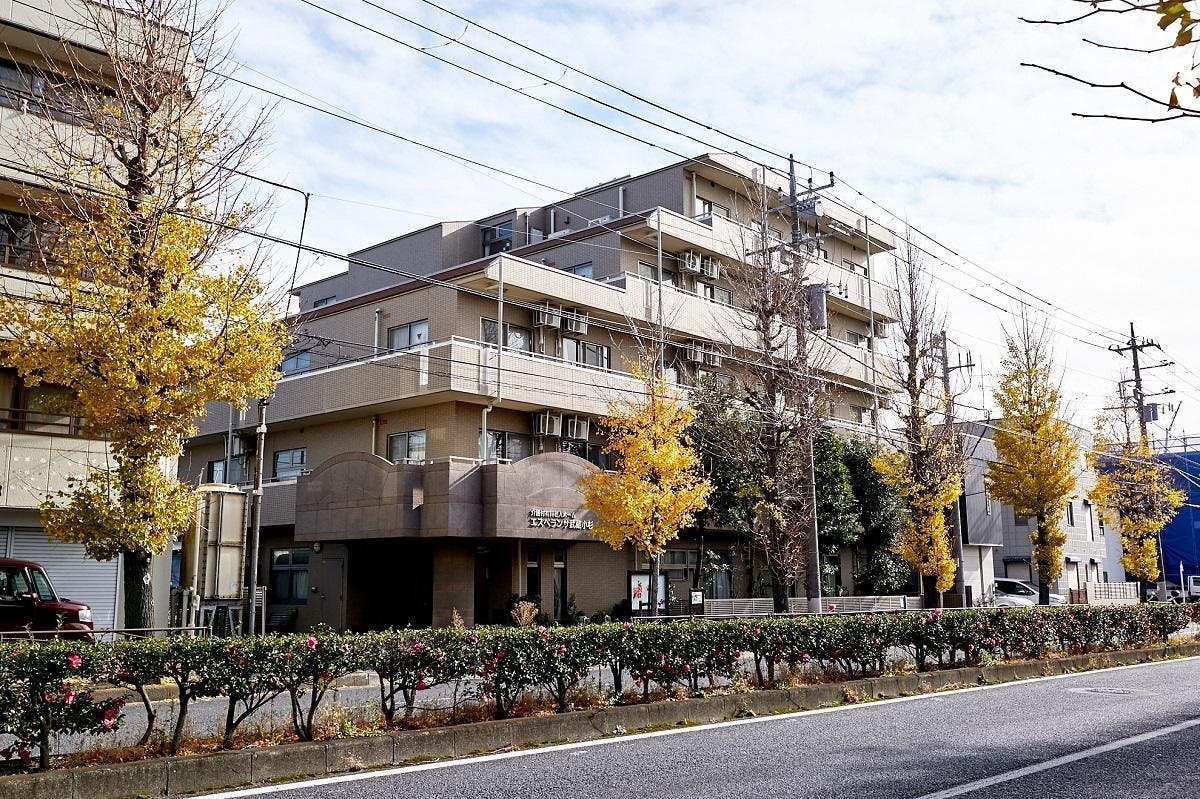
x=687, y=315
x=40, y=453
x=33, y=22
x=851, y=293
x=458, y=368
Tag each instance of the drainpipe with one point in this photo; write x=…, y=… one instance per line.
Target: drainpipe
x=375, y=434
x=620, y=201
x=483, y=427
x=378, y=328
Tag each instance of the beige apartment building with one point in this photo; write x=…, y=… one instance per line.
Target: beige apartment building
x=414, y=468
x=41, y=449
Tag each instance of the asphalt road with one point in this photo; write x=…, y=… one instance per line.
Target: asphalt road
x=1067, y=737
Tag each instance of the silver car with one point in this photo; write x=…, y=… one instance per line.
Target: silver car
x=1018, y=593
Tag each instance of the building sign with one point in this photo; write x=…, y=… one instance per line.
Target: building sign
x=639, y=591
x=558, y=520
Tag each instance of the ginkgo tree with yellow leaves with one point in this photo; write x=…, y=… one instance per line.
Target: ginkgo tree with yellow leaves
x=1036, y=452
x=150, y=310
x=1133, y=488
x=658, y=486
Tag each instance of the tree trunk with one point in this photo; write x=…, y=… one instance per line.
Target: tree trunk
x=139, y=595
x=779, y=593
x=930, y=596
x=1043, y=591
x=655, y=569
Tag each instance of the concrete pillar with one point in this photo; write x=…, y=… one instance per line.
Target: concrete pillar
x=453, y=582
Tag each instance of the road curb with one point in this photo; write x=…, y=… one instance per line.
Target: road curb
x=163, y=777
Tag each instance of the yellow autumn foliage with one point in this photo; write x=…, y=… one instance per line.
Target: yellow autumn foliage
x=1036, y=453
x=657, y=487
x=143, y=334
x=924, y=540
x=1138, y=493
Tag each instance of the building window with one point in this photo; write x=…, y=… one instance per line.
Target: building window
x=289, y=576
x=215, y=471
x=715, y=293
x=18, y=236
x=408, y=446
x=650, y=272
x=709, y=208
x=1070, y=514
x=577, y=448
x=1019, y=520
x=987, y=502
x=515, y=338
x=414, y=334
x=497, y=238
x=321, y=303
x=858, y=339
x=861, y=415
x=560, y=583
x=290, y=462
x=533, y=570
x=585, y=353
x=297, y=362
x=855, y=267
x=583, y=270
x=508, y=446
x=597, y=456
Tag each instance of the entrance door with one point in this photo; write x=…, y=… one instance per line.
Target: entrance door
x=332, y=596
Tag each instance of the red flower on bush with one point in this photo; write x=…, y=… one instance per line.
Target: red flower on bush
x=74, y=661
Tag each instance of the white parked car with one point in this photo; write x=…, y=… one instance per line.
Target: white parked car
x=1017, y=593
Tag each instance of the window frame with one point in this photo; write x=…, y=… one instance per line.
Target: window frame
x=484, y=322
x=408, y=328
x=291, y=568
x=302, y=359
x=293, y=469
x=324, y=301
x=407, y=435
x=581, y=347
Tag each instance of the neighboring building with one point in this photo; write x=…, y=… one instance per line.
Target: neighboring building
x=1086, y=554
x=40, y=449
x=385, y=503
x=1181, y=538
x=977, y=522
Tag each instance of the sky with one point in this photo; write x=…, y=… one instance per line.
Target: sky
x=921, y=109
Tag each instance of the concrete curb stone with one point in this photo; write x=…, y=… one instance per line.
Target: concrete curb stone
x=51, y=785
x=355, y=754
x=271, y=763
x=208, y=772
x=122, y=780
x=413, y=745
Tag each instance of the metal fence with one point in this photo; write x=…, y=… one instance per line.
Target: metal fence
x=116, y=634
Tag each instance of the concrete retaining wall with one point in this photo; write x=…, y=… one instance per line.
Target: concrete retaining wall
x=187, y=775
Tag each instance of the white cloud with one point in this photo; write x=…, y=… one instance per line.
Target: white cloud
x=921, y=105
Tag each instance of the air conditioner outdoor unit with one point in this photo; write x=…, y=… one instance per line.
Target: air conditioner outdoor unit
x=712, y=358
x=710, y=268
x=577, y=427
x=547, y=423
x=547, y=315
x=575, y=320
x=695, y=352
x=882, y=330
x=690, y=262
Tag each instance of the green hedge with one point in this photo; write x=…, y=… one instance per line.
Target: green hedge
x=41, y=683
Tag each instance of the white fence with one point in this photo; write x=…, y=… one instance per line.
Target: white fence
x=764, y=606
x=1105, y=594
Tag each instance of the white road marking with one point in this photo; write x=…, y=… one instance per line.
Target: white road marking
x=1008, y=776
x=359, y=776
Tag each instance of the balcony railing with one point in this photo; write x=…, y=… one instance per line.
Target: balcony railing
x=29, y=421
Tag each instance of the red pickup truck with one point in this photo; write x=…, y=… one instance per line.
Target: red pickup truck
x=29, y=601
